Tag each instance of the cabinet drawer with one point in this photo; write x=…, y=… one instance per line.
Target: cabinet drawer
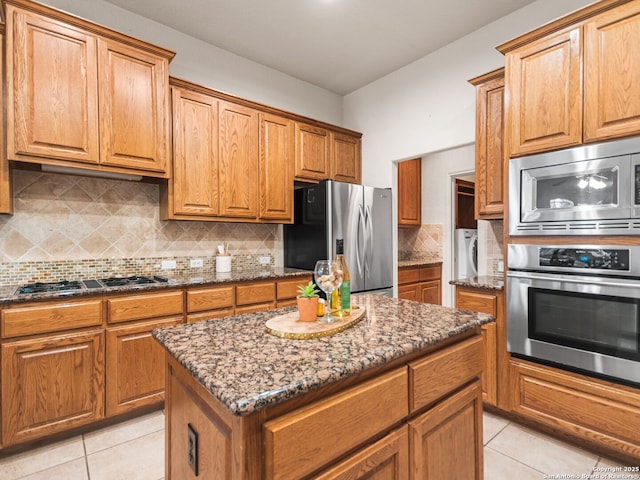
x=300, y=442
x=50, y=317
x=289, y=288
x=476, y=301
x=261, y=292
x=135, y=307
x=430, y=273
x=434, y=377
x=408, y=275
x=210, y=298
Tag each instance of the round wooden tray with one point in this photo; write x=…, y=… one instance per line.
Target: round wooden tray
x=288, y=326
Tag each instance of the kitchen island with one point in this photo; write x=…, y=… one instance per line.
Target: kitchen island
x=397, y=392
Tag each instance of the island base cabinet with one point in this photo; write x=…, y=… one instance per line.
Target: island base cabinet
x=56, y=383
x=387, y=459
x=446, y=441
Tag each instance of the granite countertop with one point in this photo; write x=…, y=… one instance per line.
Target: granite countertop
x=8, y=292
x=487, y=282
x=248, y=369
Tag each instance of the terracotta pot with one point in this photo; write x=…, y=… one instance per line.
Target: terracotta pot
x=308, y=309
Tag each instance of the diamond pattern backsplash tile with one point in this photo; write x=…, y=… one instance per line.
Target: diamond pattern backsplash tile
x=73, y=220
x=423, y=243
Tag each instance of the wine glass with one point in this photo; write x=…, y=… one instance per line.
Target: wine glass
x=328, y=278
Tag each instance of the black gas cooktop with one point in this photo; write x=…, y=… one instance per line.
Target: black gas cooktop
x=66, y=285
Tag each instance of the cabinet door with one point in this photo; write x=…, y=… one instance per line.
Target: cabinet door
x=489, y=195
x=386, y=459
x=238, y=161
x=52, y=90
x=409, y=292
x=135, y=366
x=276, y=168
x=51, y=384
x=313, y=152
x=134, y=108
x=446, y=441
x=410, y=193
x=345, y=158
x=431, y=292
x=6, y=205
x=544, y=82
x=484, y=303
x=195, y=153
x=611, y=70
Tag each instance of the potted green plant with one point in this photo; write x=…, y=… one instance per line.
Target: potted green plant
x=307, y=302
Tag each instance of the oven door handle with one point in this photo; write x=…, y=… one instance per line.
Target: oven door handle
x=582, y=280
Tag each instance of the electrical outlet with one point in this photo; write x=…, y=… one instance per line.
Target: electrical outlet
x=196, y=263
x=192, y=449
x=265, y=260
x=168, y=265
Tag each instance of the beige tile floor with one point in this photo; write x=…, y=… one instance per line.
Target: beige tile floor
x=134, y=450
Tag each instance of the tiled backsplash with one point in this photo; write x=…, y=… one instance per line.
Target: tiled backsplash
x=71, y=226
x=421, y=243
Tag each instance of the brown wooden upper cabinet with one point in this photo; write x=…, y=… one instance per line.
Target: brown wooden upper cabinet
x=6, y=205
x=231, y=162
x=489, y=191
x=313, y=152
x=81, y=95
x=345, y=158
x=550, y=105
x=410, y=193
x=321, y=153
x=276, y=167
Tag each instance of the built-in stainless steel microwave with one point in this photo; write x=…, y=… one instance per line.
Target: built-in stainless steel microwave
x=586, y=190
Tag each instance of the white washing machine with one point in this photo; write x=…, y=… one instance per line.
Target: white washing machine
x=465, y=255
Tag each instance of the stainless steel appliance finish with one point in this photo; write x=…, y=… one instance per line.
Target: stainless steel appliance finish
x=358, y=214
x=586, y=190
x=576, y=306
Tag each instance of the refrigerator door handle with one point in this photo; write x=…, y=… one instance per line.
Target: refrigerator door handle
x=362, y=231
x=368, y=222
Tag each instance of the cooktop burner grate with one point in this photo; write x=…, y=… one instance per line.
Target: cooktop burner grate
x=41, y=287
x=120, y=281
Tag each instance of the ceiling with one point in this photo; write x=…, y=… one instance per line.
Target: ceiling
x=339, y=45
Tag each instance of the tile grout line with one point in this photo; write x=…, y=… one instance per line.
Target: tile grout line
x=86, y=458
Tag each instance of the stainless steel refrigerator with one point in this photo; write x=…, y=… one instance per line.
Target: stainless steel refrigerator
x=358, y=214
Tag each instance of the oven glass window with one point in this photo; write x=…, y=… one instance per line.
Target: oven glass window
x=598, y=323
x=596, y=187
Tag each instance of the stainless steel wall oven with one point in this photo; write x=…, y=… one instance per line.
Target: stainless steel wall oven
x=577, y=307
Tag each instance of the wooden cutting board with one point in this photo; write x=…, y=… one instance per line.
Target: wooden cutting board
x=288, y=326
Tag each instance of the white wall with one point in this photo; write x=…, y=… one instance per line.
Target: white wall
x=438, y=172
x=213, y=67
x=428, y=105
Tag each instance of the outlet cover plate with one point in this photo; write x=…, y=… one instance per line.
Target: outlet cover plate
x=168, y=264
x=265, y=260
x=196, y=263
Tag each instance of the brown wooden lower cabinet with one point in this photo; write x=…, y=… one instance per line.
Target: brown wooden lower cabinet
x=485, y=301
x=51, y=384
x=135, y=366
x=421, y=283
x=604, y=414
x=387, y=426
x=446, y=441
